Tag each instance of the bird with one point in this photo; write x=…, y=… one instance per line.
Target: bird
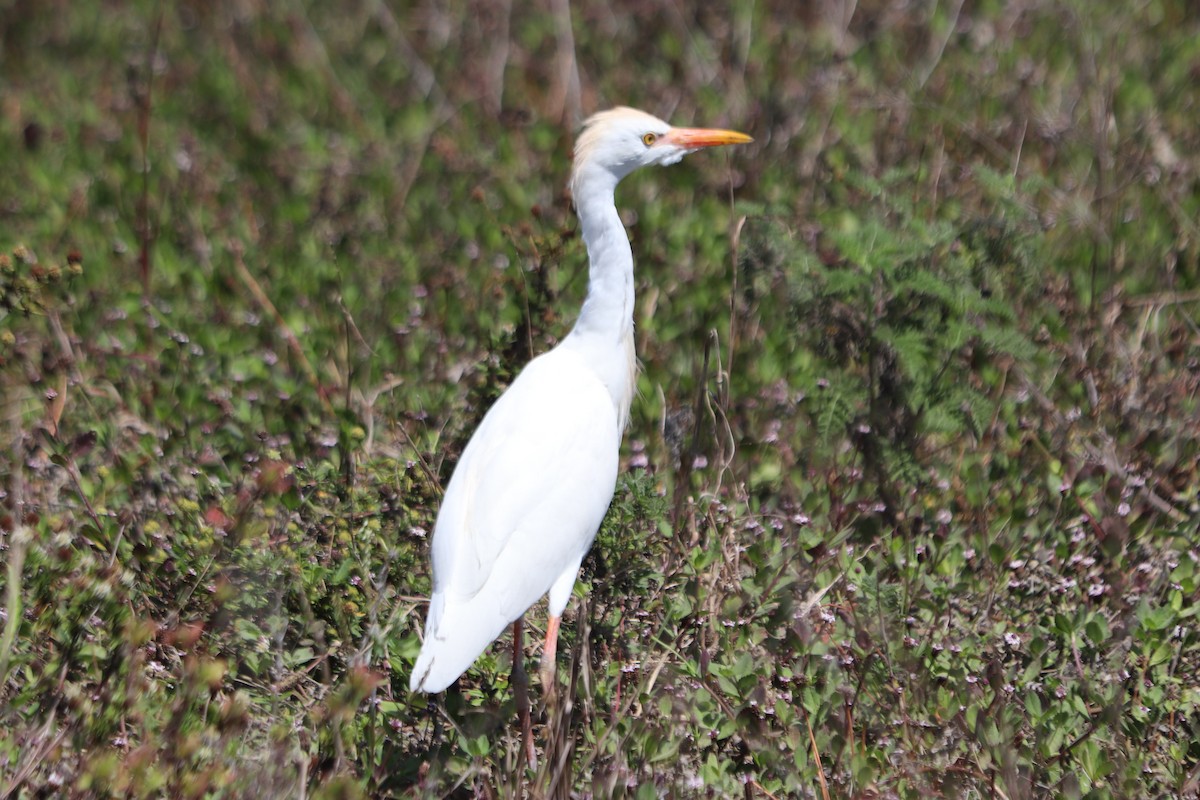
x=533, y=484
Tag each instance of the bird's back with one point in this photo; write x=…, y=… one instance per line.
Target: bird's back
x=521, y=509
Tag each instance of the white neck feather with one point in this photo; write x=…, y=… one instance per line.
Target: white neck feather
x=605, y=325
x=608, y=309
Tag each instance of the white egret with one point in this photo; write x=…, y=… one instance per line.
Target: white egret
x=536, y=479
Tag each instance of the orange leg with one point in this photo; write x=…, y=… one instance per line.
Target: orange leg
x=521, y=689
x=550, y=654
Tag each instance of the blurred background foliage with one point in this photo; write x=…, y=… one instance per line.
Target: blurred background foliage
x=910, y=497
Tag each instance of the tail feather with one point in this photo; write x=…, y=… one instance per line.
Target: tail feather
x=455, y=635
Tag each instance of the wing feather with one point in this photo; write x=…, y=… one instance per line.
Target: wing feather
x=531, y=489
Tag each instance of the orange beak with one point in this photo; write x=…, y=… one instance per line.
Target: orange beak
x=695, y=138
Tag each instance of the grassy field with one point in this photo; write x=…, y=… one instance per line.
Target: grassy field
x=909, y=499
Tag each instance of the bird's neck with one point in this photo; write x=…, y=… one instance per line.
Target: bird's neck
x=608, y=309
x=603, y=333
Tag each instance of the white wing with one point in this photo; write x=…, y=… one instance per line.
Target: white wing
x=521, y=510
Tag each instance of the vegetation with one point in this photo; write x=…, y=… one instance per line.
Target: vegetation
x=911, y=494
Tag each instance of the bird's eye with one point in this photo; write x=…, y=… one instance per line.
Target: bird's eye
x=649, y=139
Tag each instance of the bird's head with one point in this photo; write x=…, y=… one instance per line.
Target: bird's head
x=620, y=140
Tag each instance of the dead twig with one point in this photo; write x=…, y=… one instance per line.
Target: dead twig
x=264, y=302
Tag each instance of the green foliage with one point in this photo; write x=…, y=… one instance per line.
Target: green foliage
x=912, y=473
x=24, y=284
x=910, y=316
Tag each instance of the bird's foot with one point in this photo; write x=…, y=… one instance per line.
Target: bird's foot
x=548, y=675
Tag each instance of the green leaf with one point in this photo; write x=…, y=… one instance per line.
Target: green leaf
x=1158, y=618
x=1096, y=630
